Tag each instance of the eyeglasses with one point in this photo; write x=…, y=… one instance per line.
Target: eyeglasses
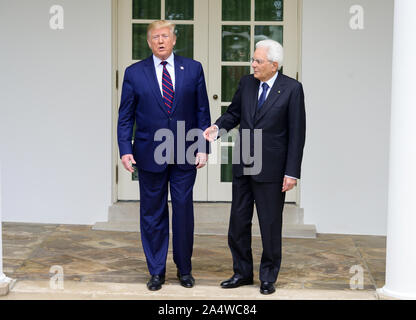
x=259, y=61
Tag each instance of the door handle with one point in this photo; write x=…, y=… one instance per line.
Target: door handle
x=215, y=96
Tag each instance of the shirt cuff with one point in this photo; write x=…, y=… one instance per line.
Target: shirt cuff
x=291, y=177
x=218, y=130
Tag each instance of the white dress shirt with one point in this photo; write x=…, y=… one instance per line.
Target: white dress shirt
x=170, y=66
x=270, y=83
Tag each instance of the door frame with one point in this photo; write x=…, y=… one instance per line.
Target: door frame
x=114, y=100
x=116, y=77
x=128, y=189
x=220, y=190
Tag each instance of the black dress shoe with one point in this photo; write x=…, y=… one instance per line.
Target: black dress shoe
x=267, y=287
x=235, y=282
x=155, y=282
x=186, y=280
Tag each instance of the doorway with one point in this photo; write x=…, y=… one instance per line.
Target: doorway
x=221, y=34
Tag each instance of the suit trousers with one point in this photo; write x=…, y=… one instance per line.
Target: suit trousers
x=154, y=217
x=269, y=200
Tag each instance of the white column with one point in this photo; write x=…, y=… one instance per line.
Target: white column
x=3, y=277
x=401, y=224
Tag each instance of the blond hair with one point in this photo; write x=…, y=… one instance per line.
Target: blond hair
x=158, y=24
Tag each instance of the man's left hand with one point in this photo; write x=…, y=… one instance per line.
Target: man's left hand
x=288, y=184
x=201, y=159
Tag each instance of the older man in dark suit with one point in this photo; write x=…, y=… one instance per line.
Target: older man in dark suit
x=273, y=103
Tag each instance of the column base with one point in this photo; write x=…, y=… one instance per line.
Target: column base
x=387, y=293
x=6, y=284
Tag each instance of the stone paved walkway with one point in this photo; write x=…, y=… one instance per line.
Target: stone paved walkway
x=89, y=256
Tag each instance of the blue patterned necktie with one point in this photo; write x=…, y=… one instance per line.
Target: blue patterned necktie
x=263, y=95
x=167, y=87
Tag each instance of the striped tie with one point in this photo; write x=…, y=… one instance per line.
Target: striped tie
x=167, y=87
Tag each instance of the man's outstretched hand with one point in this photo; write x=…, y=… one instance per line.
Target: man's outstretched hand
x=211, y=133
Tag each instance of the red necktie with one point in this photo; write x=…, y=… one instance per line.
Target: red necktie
x=167, y=87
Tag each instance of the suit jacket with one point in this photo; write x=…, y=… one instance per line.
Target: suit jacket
x=142, y=102
x=281, y=119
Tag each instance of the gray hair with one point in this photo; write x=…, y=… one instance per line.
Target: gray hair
x=275, y=52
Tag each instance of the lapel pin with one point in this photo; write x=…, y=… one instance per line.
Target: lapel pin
x=278, y=91
x=182, y=67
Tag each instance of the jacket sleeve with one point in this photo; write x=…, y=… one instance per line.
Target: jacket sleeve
x=126, y=116
x=231, y=117
x=296, y=132
x=203, y=113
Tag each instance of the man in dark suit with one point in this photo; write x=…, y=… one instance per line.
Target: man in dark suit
x=166, y=96
x=274, y=103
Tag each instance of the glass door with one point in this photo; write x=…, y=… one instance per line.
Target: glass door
x=191, y=21
x=221, y=34
x=235, y=26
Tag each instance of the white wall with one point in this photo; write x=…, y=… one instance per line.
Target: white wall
x=347, y=81
x=55, y=111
